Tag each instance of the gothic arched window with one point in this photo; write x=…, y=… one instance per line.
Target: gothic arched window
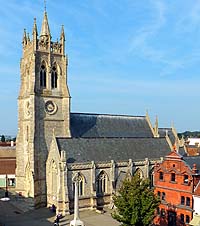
x=43, y=77
x=101, y=183
x=80, y=179
x=54, y=78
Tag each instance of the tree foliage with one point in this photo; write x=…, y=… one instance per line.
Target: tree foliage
x=3, y=139
x=190, y=134
x=135, y=202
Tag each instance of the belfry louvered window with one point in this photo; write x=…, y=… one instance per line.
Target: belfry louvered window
x=43, y=79
x=54, y=78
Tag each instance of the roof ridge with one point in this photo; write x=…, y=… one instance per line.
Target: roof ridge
x=157, y=138
x=107, y=114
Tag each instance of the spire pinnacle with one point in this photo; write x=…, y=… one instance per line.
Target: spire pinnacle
x=45, y=31
x=24, y=40
x=62, y=34
x=35, y=27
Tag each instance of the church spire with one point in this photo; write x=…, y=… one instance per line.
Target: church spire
x=45, y=31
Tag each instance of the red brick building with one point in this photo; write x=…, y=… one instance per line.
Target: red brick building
x=174, y=180
x=7, y=166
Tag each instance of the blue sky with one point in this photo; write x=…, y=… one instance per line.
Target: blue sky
x=125, y=57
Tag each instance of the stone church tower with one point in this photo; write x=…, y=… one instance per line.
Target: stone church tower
x=43, y=108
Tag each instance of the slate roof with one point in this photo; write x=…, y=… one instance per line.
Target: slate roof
x=102, y=125
x=162, y=133
x=191, y=160
x=105, y=149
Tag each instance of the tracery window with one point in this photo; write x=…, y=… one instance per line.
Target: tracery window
x=43, y=79
x=101, y=183
x=54, y=78
x=80, y=180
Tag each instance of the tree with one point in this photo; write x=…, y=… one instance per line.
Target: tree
x=3, y=139
x=135, y=202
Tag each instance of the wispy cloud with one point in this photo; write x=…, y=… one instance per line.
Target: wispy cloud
x=140, y=42
x=189, y=18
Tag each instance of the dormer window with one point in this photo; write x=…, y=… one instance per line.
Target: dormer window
x=43, y=79
x=54, y=78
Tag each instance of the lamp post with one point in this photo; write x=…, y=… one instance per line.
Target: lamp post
x=6, y=192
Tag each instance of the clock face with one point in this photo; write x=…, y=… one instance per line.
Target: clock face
x=50, y=107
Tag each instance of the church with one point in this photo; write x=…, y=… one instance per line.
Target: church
x=55, y=147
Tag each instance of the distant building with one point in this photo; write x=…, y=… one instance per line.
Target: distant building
x=7, y=166
x=174, y=180
x=192, y=146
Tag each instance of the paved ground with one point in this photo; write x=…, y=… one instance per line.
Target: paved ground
x=14, y=213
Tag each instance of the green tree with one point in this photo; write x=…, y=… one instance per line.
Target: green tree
x=3, y=139
x=135, y=202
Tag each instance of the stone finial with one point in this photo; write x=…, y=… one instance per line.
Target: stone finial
x=62, y=34
x=35, y=33
x=156, y=133
x=24, y=40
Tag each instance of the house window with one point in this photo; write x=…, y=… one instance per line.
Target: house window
x=163, y=196
x=185, y=180
x=182, y=218
x=158, y=210
x=161, y=176
x=54, y=78
x=182, y=200
x=187, y=219
x=43, y=77
x=187, y=201
x=101, y=183
x=162, y=213
x=11, y=182
x=158, y=193
x=173, y=177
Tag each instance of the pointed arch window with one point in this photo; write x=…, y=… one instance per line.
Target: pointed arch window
x=43, y=78
x=80, y=179
x=101, y=183
x=54, y=78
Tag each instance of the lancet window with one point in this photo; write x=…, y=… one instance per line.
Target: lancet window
x=54, y=78
x=80, y=180
x=43, y=79
x=101, y=183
